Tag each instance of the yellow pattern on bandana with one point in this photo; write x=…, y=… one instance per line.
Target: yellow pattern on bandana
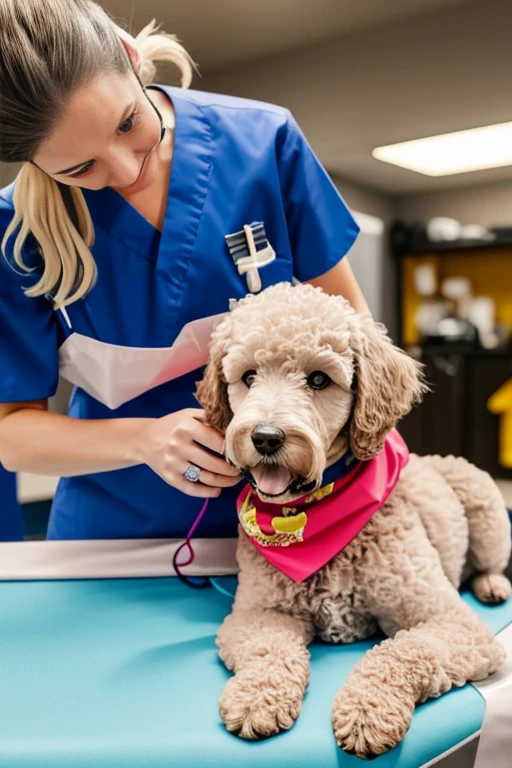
x=288, y=530
x=289, y=526
x=320, y=494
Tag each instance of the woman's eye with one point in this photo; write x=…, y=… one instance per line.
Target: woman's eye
x=82, y=170
x=128, y=124
x=248, y=378
x=318, y=380
x=125, y=127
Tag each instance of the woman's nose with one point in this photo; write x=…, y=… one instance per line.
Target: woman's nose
x=125, y=170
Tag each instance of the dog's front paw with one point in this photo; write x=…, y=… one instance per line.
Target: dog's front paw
x=372, y=720
x=261, y=700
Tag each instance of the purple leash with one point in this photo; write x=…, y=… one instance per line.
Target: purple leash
x=196, y=582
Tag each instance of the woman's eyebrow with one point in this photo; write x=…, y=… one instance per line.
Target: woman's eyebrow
x=127, y=111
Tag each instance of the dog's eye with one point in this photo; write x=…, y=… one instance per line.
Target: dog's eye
x=318, y=380
x=248, y=378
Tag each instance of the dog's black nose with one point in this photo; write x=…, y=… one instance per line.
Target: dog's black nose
x=267, y=439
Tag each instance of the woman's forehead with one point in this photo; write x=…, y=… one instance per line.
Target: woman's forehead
x=89, y=120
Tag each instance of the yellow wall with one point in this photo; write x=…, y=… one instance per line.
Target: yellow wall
x=490, y=273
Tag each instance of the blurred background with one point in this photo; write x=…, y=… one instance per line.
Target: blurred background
x=434, y=258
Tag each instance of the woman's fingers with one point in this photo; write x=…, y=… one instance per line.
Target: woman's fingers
x=212, y=464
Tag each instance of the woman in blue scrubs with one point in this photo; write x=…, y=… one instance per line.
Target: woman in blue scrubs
x=117, y=264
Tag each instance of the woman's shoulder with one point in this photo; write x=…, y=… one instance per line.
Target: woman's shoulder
x=224, y=101
x=6, y=204
x=225, y=107
x=31, y=258
x=6, y=211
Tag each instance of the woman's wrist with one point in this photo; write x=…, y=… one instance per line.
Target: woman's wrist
x=137, y=442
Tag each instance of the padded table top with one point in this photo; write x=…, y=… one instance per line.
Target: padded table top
x=124, y=672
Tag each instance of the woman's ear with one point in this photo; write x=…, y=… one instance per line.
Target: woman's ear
x=130, y=46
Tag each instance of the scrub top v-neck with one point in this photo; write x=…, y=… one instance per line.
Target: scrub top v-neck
x=136, y=344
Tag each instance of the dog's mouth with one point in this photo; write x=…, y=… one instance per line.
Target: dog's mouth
x=274, y=480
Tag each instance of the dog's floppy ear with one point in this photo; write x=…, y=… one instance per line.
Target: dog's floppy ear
x=212, y=390
x=387, y=384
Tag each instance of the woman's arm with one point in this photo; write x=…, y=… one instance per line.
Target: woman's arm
x=34, y=440
x=340, y=281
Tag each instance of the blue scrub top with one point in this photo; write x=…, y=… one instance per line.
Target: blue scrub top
x=11, y=518
x=235, y=161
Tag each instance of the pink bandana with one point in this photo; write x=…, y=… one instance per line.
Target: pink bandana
x=301, y=538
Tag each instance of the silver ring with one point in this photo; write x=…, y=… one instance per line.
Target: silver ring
x=192, y=473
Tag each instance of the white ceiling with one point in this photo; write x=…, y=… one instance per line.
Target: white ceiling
x=355, y=73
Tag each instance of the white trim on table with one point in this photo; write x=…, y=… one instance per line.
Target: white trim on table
x=112, y=559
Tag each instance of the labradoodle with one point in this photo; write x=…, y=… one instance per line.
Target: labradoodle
x=300, y=384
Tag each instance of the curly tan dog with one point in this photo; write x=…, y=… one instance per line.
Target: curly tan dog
x=296, y=380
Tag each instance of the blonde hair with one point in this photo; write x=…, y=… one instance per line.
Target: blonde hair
x=38, y=75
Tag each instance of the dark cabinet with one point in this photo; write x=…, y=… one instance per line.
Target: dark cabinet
x=453, y=417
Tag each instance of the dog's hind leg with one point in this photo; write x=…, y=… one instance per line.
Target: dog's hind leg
x=441, y=642
x=267, y=651
x=489, y=526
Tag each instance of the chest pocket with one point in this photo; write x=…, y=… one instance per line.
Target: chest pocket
x=255, y=258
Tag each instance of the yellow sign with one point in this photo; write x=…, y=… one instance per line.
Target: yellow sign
x=500, y=403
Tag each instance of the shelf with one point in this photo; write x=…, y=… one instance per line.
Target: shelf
x=438, y=350
x=456, y=246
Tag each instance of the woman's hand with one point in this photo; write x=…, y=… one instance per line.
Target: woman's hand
x=171, y=443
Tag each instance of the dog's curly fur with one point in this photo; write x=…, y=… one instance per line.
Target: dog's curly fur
x=444, y=522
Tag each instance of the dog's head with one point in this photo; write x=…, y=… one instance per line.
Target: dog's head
x=295, y=378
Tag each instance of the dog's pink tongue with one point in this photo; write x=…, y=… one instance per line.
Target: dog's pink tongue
x=271, y=480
